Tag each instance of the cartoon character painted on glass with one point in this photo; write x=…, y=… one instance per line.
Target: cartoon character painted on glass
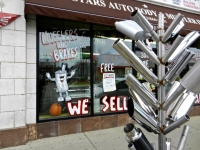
x=61, y=77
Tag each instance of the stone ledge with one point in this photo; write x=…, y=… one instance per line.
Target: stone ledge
x=20, y=136
x=13, y=137
x=194, y=111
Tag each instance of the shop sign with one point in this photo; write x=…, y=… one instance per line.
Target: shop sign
x=109, y=82
x=110, y=11
x=149, y=12
x=62, y=45
x=114, y=103
x=60, y=40
x=64, y=54
x=6, y=18
x=189, y=4
x=108, y=76
x=80, y=108
x=107, y=67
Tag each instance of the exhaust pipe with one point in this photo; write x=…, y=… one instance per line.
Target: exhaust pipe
x=147, y=119
x=135, y=62
x=141, y=117
x=182, y=106
x=173, y=96
x=175, y=44
x=147, y=108
x=137, y=138
x=186, y=83
x=145, y=94
x=138, y=17
x=176, y=124
x=178, y=66
x=148, y=51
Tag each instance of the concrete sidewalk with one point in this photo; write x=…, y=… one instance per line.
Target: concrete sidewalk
x=111, y=139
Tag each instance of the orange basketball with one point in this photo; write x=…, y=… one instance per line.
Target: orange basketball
x=55, y=109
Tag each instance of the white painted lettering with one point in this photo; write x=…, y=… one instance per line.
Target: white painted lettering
x=123, y=6
x=117, y=6
x=89, y=1
x=112, y=66
x=186, y=20
x=107, y=67
x=125, y=103
x=78, y=0
x=101, y=68
x=85, y=106
x=61, y=54
x=170, y=16
x=65, y=54
x=96, y=2
x=103, y=4
x=112, y=103
x=154, y=12
x=75, y=52
x=143, y=11
x=130, y=8
x=105, y=103
x=119, y=107
x=58, y=36
x=61, y=44
x=198, y=21
x=192, y=21
x=44, y=38
x=56, y=55
x=73, y=108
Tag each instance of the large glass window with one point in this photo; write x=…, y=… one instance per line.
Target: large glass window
x=195, y=47
x=64, y=68
x=110, y=70
x=150, y=64
x=66, y=85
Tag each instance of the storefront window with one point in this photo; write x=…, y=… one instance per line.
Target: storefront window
x=110, y=70
x=63, y=69
x=65, y=81
x=191, y=63
x=150, y=64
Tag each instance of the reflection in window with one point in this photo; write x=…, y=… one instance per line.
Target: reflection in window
x=64, y=69
x=109, y=61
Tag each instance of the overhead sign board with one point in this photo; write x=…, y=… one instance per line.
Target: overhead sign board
x=109, y=11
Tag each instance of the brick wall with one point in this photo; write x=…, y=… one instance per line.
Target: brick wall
x=13, y=67
x=31, y=69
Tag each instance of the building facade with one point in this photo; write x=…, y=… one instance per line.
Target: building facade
x=58, y=71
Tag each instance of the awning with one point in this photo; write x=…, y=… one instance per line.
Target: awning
x=107, y=11
x=6, y=18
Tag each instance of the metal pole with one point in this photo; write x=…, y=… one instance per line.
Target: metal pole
x=161, y=88
x=183, y=137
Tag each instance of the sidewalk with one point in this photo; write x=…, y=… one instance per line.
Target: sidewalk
x=111, y=139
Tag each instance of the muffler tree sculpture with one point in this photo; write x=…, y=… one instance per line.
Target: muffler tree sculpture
x=171, y=108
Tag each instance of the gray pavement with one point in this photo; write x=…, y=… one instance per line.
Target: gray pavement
x=112, y=139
